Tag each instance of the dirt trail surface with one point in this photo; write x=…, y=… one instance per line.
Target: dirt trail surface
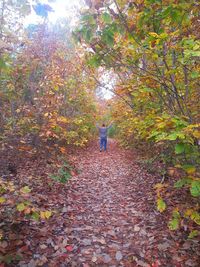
x=106, y=216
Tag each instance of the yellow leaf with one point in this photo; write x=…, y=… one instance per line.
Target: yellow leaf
x=11, y=188
x=160, y=185
x=48, y=214
x=2, y=200
x=42, y=215
x=45, y=214
x=196, y=134
x=188, y=212
x=155, y=56
x=154, y=34
x=191, y=170
x=63, y=119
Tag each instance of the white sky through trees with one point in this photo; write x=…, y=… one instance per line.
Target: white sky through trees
x=69, y=9
x=62, y=9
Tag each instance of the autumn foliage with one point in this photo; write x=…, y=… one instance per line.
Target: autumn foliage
x=47, y=92
x=49, y=76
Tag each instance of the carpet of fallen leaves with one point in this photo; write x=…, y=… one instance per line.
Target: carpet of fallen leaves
x=104, y=216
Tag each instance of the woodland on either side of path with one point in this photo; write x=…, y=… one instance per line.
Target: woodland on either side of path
x=49, y=84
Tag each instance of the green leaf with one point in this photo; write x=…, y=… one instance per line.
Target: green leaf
x=160, y=137
x=94, y=61
x=35, y=216
x=25, y=190
x=2, y=64
x=166, y=11
x=88, y=19
x=106, y=18
x=173, y=224
x=86, y=33
x=196, y=53
x=193, y=234
x=179, y=148
x=195, y=216
x=147, y=89
x=175, y=15
x=174, y=136
x=8, y=258
x=21, y=207
x=180, y=183
x=163, y=35
x=191, y=53
x=194, y=74
x=108, y=36
x=161, y=205
x=195, y=188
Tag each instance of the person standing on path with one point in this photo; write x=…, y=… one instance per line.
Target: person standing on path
x=103, y=133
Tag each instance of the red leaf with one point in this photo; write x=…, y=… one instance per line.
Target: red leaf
x=24, y=248
x=155, y=264
x=63, y=256
x=69, y=248
x=73, y=173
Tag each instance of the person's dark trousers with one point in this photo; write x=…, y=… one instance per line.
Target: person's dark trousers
x=103, y=143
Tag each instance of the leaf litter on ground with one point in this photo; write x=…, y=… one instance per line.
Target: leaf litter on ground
x=105, y=214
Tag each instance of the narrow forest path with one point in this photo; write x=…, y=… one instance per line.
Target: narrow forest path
x=104, y=216
x=110, y=210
